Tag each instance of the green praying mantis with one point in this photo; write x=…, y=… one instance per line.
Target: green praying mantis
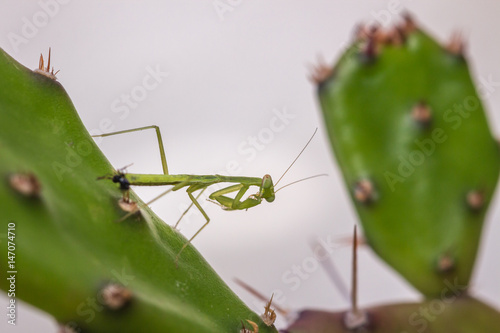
x=199, y=183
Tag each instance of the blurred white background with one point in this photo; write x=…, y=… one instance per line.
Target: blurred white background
x=229, y=73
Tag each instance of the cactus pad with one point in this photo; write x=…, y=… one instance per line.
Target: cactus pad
x=413, y=143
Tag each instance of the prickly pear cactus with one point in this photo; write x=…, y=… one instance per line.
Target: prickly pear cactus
x=413, y=143
x=455, y=315
x=72, y=259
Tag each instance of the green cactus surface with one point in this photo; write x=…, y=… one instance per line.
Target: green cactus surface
x=410, y=134
x=72, y=259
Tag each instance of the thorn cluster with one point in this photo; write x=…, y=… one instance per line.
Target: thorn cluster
x=46, y=71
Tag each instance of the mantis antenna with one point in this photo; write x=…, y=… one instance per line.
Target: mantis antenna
x=296, y=158
x=300, y=180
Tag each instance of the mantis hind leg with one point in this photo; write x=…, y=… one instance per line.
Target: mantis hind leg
x=158, y=135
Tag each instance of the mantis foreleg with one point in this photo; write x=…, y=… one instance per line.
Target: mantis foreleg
x=235, y=203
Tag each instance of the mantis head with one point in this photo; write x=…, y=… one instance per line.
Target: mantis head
x=267, y=189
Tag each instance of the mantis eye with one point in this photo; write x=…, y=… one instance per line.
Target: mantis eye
x=267, y=182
